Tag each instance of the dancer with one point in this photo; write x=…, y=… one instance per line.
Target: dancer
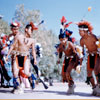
x=64, y=30
x=88, y=40
x=3, y=70
x=21, y=61
x=72, y=60
x=33, y=27
x=97, y=67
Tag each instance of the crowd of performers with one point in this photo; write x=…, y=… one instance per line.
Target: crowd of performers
x=19, y=51
x=74, y=54
x=22, y=50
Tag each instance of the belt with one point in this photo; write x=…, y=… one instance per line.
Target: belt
x=14, y=52
x=92, y=54
x=67, y=57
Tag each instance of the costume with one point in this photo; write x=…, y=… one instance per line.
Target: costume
x=64, y=30
x=74, y=58
x=38, y=50
x=22, y=66
x=98, y=59
x=92, y=61
x=5, y=71
x=71, y=61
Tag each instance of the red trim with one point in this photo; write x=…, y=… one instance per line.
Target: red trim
x=21, y=68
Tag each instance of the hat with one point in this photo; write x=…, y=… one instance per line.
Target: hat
x=15, y=24
x=68, y=32
x=63, y=35
x=85, y=25
x=63, y=20
x=33, y=26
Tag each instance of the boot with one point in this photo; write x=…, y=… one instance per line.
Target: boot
x=19, y=90
x=71, y=89
x=96, y=91
x=31, y=81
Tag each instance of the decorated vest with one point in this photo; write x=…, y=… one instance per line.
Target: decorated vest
x=38, y=50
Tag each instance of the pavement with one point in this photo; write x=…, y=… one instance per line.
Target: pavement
x=57, y=91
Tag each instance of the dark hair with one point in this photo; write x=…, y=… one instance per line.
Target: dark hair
x=15, y=24
x=11, y=25
x=28, y=26
x=83, y=26
x=62, y=35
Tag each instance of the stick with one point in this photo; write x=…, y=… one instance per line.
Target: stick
x=45, y=86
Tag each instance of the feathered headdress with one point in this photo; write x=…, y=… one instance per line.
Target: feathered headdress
x=15, y=24
x=63, y=20
x=33, y=26
x=3, y=40
x=85, y=25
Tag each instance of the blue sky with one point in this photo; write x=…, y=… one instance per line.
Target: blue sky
x=52, y=11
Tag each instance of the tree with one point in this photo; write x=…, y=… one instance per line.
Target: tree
x=4, y=28
x=46, y=37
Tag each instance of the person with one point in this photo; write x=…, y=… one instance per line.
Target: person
x=88, y=40
x=3, y=70
x=31, y=57
x=97, y=68
x=33, y=27
x=64, y=30
x=11, y=37
x=21, y=63
x=14, y=26
x=38, y=52
x=72, y=60
x=9, y=41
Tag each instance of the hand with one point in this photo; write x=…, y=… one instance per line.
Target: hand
x=58, y=61
x=78, y=69
x=35, y=62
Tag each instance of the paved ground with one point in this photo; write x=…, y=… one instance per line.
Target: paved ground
x=57, y=91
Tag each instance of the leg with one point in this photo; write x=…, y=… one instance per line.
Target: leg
x=63, y=72
x=97, y=70
x=97, y=73
x=90, y=77
x=27, y=71
x=64, y=68
x=34, y=66
x=90, y=68
x=4, y=71
x=69, y=78
x=15, y=71
x=27, y=68
x=2, y=78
